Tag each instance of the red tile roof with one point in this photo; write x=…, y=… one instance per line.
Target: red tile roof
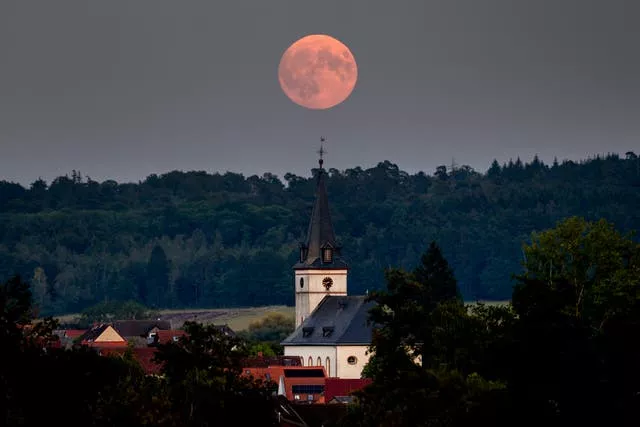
x=165, y=337
x=343, y=386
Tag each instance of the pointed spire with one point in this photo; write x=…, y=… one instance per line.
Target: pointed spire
x=320, y=234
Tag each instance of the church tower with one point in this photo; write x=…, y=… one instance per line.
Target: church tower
x=320, y=270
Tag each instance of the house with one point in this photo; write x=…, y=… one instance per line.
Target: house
x=140, y=332
x=102, y=335
x=165, y=337
x=332, y=328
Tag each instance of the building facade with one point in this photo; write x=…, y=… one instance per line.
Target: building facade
x=332, y=327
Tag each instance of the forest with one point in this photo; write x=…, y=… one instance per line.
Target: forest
x=198, y=239
x=563, y=352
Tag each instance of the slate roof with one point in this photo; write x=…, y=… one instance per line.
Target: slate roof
x=139, y=328
x=320, y=232
x=337, y=320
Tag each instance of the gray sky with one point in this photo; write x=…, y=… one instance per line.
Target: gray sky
x=123, y=89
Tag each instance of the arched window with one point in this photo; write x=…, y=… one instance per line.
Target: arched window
x=302, y=361
x=319, y=361
x=327, y=365
x=301, y=283
x=310, y=361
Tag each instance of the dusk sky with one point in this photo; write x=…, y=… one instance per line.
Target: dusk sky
x=123, y=89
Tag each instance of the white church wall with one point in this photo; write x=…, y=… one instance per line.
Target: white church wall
x=312, y=291
x=314, y=352
x=344, y=353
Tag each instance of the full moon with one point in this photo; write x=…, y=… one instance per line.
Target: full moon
x=317, y=72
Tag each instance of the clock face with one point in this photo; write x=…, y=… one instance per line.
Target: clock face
x=327, y=282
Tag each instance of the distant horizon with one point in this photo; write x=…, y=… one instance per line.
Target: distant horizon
x=312, y=165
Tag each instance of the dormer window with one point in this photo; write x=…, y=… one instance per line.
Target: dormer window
x=307, y=331
x=327, y=255
x=327, y=331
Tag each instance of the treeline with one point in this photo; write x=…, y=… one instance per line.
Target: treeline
x=220, y=240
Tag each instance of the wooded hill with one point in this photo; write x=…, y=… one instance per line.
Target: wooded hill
x=193, y=239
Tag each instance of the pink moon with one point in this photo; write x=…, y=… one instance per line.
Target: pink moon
x=318, y=72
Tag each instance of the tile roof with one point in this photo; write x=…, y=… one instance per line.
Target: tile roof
x=335, y=387
x=337, y=320
x=139, y=328
x=171, y=335
x=91, y=334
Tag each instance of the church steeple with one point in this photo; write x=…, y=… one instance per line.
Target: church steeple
x=321, y=248
x=321, y=270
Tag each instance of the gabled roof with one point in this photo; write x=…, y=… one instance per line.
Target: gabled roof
x=94, y=333
x=337, y=320
x=139, y=328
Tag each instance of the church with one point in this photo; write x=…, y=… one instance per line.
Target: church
x=332, y=327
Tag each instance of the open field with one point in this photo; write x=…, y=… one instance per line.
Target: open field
x=238, y=319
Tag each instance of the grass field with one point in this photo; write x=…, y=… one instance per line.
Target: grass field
x=238, y=319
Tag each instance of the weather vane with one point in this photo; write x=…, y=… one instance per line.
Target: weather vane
x=322, y=151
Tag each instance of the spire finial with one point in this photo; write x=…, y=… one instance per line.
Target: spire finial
x=322, y=151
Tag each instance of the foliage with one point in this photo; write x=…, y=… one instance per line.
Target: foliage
x=115, y=310
x=204, y=375
x=426, y=350
x=266, y=334
x=230, y=240
x=578, y=318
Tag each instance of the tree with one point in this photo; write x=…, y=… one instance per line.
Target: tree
x=204, y=375
x=578, y=308
x=421, y=363
x=115, y=310
x=266, y=334
x=157, y=284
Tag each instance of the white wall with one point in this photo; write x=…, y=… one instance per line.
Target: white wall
x=313, y=291
x=337, y=355
x=344, y=369
x=314, y=351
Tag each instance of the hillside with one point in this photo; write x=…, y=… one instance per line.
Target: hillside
x=193, y=239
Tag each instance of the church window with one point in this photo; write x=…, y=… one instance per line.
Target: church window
x=319, y=361
x=327, y=255
x=301, y=282
x=327, y=364
x=352, y=360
